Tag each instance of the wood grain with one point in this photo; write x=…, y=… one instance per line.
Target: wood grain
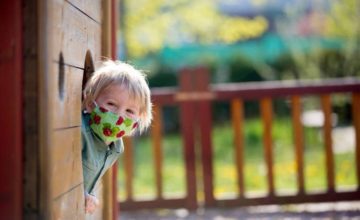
x=72, y=34
x=267, y=117
x=70, y=205
x=66, y=110
x=237, y=119
x=298, y=141
x=66, y=158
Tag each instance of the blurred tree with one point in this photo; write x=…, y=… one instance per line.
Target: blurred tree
x=315, y=29
x=164, y=77
x=151, y=25
x=343, y=23
x=242, y=70
x=285, y=67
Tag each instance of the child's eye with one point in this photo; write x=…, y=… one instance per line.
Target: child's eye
x=110, y=103
x=130, y=111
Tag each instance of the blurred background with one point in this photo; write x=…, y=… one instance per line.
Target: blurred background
x=263, y=39
x=245, y=41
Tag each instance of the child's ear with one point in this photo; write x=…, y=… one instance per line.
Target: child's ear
x=89, y=106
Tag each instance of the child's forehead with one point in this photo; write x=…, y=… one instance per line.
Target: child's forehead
x=118, y=89
x=114, y=89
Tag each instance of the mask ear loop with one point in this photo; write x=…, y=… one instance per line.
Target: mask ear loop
x=96, y=105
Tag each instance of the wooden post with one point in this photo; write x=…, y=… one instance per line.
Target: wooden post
x=110, y=206
x=187, y=118
x=356, y=123
x=326, y=106
x=129, y=168
x=298, y=141
x=237, y=113
x=114, y=15
x=11, y=132
x=266, y=113
x=158, y=159
x=205, y=124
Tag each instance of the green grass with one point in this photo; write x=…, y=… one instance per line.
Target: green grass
x=255, y=173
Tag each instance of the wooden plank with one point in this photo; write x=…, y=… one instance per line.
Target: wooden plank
x=129, y=168
x=31, y=125
x=255, y=90
x=164, y=96
x=66, y=159
x=153, y=204
x=204, y=115
x=356, y=123
x=156, y=134
x=76, y=37
x=237, y=119
x=106, y=29
x=114, y=26
x=94, y=37
x=31, y=112
x=112, y=35
x=107, y=195
x=266, y=114
x=69, y=205
x=187, y=112
x=66, y=35
x=110, y=207
x=291, y=199
x=11, y=117
x=92, y=10
x=45, y=110
x=329, y=157
x=67, y=107
x=298, y=141
x=73, y=34
x=100, y=211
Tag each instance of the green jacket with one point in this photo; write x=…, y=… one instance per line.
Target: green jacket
x=97, y=157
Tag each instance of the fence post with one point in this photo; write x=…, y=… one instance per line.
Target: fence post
x=187, y=119
x=356, y=123
x=205, y=124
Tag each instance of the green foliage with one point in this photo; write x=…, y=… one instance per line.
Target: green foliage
x=165, y=77
x=332, y=63
x=255, y=169
x=149, y=25
x=333, y=49
x=285, y=67
x=242, y=70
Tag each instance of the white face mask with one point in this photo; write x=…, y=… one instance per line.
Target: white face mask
x=109, y=126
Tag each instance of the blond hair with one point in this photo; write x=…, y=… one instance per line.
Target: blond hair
x=134, y=80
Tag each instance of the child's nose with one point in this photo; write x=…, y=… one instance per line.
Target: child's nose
x=121, y=112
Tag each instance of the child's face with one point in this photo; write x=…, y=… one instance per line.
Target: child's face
x=117, y=99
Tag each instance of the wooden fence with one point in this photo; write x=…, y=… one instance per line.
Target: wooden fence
x=194, y=98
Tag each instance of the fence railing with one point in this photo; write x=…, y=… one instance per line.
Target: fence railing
x=195, y=96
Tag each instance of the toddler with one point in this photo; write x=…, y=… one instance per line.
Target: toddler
x=116, y=104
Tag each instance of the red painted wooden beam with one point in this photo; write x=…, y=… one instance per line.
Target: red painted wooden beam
x=11, y=136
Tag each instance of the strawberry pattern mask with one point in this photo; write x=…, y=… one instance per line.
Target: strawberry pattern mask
x=109, y=126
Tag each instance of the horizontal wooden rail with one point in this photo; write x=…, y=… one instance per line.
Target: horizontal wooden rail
x=258, y=90
x=194, y=98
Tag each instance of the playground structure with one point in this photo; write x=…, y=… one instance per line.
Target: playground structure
x=194, y=98
x=48, y=51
